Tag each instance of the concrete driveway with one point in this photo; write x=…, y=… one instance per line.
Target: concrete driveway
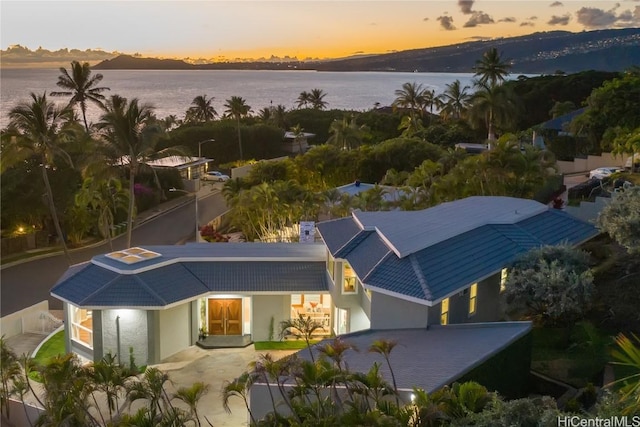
x=213, y=367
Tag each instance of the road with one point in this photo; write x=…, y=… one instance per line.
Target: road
x=25, y=284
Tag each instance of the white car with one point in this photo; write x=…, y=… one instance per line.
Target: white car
x=601, y=173
x=214, y=176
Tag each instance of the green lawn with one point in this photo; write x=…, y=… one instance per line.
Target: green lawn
x=52, y=347
x=281, y=345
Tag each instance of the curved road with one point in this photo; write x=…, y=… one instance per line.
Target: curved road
x=25, y=284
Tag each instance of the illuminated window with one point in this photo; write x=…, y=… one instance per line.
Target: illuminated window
x=349, y=280
x=82, y=326
x=503, y=280
x=444, y=314
x=473, y=299
x=367, y=292
x=331, y=266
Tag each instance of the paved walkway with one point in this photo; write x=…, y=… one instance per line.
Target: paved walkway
x=25, y=343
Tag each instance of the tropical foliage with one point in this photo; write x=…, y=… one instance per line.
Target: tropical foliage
x=552, y=285
x=621, y=219
x=82, y=86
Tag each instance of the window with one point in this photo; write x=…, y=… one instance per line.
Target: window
x=473, y=299
x=82, y=326
x=444, y=314
x=503, y=280
x=367, y=292
x=349, y=280
x=331, y=266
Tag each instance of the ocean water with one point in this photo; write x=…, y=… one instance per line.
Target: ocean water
x=171, y=92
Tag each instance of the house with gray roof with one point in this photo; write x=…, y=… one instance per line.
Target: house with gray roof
x=375, y=271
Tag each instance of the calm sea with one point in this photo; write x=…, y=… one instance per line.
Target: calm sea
x=171, y=92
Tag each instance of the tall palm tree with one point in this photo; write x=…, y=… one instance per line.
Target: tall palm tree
x=202, y=110
x=42, y=130
x=237, y=108
x=82, y=86
x=493, y=105
x=316, y=99
x=303, y=99
x=130, y=136
x=491, y=68
x=455, y=100
x=411, y=96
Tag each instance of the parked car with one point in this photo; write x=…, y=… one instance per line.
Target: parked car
x=601, y=173
x=584, y=190
x=214, y=176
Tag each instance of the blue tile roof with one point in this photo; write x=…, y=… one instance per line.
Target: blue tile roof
x=93, y=286
x=449, y=265
x=340, y=231
x=429, y=358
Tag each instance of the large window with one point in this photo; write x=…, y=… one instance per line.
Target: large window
x=503, y=279
x=315, y=306
x=473, y=299
x=349, y=279
x=444, y=313
x=331, y=266
x=82, y=326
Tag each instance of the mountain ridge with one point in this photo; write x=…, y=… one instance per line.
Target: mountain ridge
x=536, y=53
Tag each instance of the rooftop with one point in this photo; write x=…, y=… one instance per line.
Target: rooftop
x=430, y=358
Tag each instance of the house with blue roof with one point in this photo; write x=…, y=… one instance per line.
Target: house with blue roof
x=375, y=271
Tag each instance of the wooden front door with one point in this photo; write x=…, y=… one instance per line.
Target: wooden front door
x=225, y=316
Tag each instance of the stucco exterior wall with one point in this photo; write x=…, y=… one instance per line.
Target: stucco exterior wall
x=388, y=312
x=358, y=304
x=175, y=329
x=133, y=334
x=264, y=307
x=487, y=304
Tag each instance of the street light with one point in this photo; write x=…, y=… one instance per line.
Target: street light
x=200, y=146
x=173, y=189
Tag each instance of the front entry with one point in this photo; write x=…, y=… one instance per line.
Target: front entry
x=225, y=316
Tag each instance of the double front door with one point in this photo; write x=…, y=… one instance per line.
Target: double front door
x=225, y=316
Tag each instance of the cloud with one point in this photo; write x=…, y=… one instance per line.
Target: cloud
x=559, y=20
x=425, y=19
x=533, y=18
x=466, y=6
x=446, y=22
x=592, y=17
x=556, y=4
x=527, y=24
x=507, y=19
x=636, y=13
x=478, y=18
x=625, y=15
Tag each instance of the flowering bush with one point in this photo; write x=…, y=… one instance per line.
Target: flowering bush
x=212, y=235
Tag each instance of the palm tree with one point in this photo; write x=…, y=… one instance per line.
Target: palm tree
x=303, y=99
x=237, y=108
x=316, y=99
x=303, y=327
x=82, y=86
x=202, y=110
x=411, y=96
x=130, y=136
x=298, y=136
x=42, y=130
x=491, y=68
x=105, y=197
x=346, y=134
x=384, y=347
x=455, y=100
x=493, y=105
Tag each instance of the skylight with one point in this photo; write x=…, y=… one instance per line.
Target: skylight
x=132, y=255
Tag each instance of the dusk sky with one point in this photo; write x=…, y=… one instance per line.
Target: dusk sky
x=304, y=28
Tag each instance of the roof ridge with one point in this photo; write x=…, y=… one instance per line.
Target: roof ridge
x=195, y=277
x=421, y=279
x=496, y=228
x=151, y=291
x=375, y=266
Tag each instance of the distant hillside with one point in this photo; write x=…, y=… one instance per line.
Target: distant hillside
x=538, y=53
x=605, y=50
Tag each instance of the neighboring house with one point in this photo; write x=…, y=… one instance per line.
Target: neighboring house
x=299, y=144
x=376, y=271
x=391, y=194
x=188, y=167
